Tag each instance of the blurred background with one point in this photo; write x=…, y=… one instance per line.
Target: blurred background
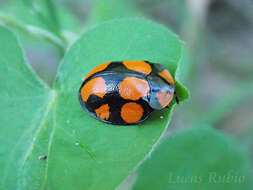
x=217, y=64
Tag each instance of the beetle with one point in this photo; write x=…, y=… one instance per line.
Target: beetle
x=126, y=92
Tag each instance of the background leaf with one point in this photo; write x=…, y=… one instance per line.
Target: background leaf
x=81, y=151
x=112, y=9
x=24, y=99
x=24, y=10
x=42, y=52
x=199, y=158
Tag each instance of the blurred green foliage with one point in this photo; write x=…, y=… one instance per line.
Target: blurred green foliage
x=191, y=160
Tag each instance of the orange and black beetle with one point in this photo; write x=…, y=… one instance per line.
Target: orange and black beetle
x=125, y=93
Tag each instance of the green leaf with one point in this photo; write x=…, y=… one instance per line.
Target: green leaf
x=81, y=151
x=184, y=65
x=24, y=106
x=44, y=10
x=112, y=9
x=199, y=158
x=23, y=12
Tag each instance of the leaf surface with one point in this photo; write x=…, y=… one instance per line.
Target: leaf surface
x=196, y=159
x=81, y=151
x=24, y=106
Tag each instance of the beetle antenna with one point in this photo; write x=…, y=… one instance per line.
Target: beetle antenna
x=176, y=97
x=177, y=100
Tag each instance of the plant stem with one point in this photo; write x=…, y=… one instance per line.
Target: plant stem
x=35, y=32
x=53, y=14
x=50, y=21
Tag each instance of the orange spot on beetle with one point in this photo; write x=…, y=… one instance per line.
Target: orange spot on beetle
x=95, y=86
x=131, y=112
x=132, y=88
x=138, y=66
x=97, y=69
x=103, y=111
x=167, y=76
x=164, y=98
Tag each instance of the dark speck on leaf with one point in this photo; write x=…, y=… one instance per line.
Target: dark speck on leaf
x=42, y=157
